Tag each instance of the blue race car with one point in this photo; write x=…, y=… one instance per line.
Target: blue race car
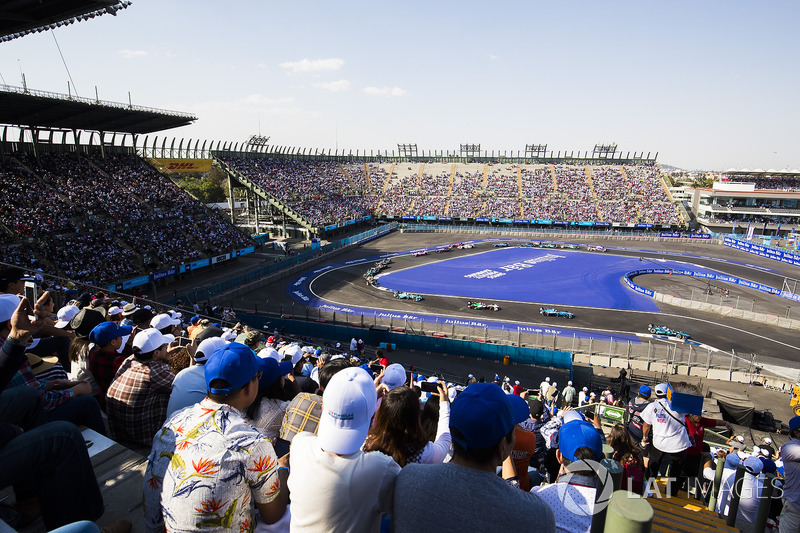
x=549, y=311
x=500, y=244
x=400, y=295
x=663, y=330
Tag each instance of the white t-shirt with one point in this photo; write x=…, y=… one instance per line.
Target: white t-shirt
x=188, y=388
x=543, y=386
x=582, y=399
x=669, y=428
x=341, y=493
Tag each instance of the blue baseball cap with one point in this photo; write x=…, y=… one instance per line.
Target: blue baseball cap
x=644, y=391
x=106, y=332
x=794, y=423
x=272, y=370
x=578, y=434
x=522, y=411
x=235, y=363
x=483, y=414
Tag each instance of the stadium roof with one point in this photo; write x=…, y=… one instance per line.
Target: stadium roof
x=24, y=107
x=22, y=17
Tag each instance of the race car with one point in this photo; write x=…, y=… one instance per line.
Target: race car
x=442, y=250
x=663, y=330
x=500, y=244
x=481, y=306
x=465, y=246
x=400, y=295
x=548, y=245
x=549, y=311
x=596, y=248
x=420, y=253
x=525, y=245
x=570, y=246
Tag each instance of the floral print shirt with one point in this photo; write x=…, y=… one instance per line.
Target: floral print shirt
x=207, y=467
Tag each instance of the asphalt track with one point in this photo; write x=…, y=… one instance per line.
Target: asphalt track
x=586, y=283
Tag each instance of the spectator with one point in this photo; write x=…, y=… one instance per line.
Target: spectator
x=790, y=454
x=335, y=485
x=137, y=399
x=398, y=433
x=728, y=475
x=573, y=505
x=40, y=459
x=696, y=426
x=269, y=408
x=104, y=356
x=524, y=442
x=670, y=439
x=189, y=385
x=428, y=496
x=213, y=476
x=567, y=395
x=583, y=397
x=627, y=454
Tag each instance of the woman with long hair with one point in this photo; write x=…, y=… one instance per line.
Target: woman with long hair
x=269, y=407
x=629, y=456
x=397, y=430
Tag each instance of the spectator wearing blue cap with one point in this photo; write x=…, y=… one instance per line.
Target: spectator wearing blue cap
x=209, y=467
x=572, y=496
x=635, y=408
x=790, y=454
x=732, y=460
x=106, y=340
x=466, y=494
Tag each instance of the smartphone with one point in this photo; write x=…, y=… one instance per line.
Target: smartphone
x=429, y=386
x=376, y=368
x=184, y=341
x=31, y=292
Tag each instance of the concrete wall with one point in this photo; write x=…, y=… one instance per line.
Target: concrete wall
x=760, y=318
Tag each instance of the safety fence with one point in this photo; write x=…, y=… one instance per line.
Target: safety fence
x=377, y=336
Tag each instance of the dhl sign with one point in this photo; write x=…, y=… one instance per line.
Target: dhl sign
x=182, y=165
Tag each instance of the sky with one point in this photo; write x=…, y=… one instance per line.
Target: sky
x=708, y=85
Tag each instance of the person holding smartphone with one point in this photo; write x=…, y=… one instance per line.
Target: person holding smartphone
x=397, y=430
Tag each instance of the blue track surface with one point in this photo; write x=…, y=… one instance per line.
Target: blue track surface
x=557, y=277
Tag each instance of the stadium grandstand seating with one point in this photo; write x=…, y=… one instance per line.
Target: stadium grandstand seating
x=58, y=209
x=101, y=219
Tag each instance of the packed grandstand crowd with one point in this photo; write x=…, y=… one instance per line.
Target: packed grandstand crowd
x=629, y=194
x=181, y=389
x=57, y=209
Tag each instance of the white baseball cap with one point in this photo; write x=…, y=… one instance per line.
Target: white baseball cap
x=295, y=351
x=767, y=440
x=269, y=351
x=661, y=389
x=569, y=383
x=114, y=310
x=163, y=320
x=347, y=408
x=516, y=383
x=207, y=347
x=547, y=380
x=394, y=375
x=740, y=438
x=65, y=314
x=151, y=339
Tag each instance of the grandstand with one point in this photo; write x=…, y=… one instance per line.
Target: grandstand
x=738, y=199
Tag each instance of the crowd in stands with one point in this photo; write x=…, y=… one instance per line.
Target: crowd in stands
x=770, y=183
x=245, y=429
x=61, y=209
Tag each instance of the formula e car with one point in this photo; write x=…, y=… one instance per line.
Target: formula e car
x=500, y=244
x=570, y=246
x=549, y=311
x=480, y=306
x=548, y=245
x=400, y=295
x=465, y=246
x=420, y=253
x=596, y=248
x=663, y=330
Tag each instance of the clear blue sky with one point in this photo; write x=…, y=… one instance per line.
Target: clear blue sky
x=709, y=85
